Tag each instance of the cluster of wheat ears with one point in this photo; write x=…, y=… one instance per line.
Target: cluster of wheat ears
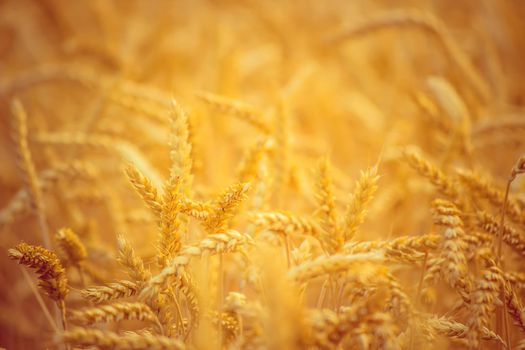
x=262, y=175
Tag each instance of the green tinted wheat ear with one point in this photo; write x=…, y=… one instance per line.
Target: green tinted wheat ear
x=510, y=236
x=214, y=244
x=364, y=191
x=495, y=196
x=325, y=265
x=285, y=223
x=198, y=210
x=453, y=329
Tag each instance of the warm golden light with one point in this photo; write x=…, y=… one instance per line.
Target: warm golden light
x=262, y=174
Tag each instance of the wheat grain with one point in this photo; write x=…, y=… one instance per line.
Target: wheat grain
x=327, y=211
x=364, y=191
x=71, y=246
x=114, y=312
x=331, y=265
x=170, y=224
x=225, y=206
x=129, y=259
x=52, y=275
x=109, y=340
x=237, y=109
x=111, y=291
x=145, y=189
x=181, y=161
x=286, y=224
x=430, y=171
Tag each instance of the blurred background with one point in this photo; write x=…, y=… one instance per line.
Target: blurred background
x=351, y=80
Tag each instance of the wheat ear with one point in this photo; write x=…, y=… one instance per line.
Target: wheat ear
x=114, y=312
x=111, y=291
x=236, y=109
x=364, y=191
x=129, y=259
x=110, y=340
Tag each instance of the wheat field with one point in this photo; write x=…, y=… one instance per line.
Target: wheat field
x=252, y=174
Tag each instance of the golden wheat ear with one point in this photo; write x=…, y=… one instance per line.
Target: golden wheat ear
x=87, y=337
x=430, y=171
x=170, y=229
x=237, y=109
x=181, y=149
x=113, y=312
x=52, y=275
x=133, y=263
x=111, y=291
x=364, y=191
x=325, y=197
x=71, y=246
x=225, y=206
x=145, y=189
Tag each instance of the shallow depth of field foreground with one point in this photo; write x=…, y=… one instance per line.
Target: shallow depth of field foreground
x=262, y=174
